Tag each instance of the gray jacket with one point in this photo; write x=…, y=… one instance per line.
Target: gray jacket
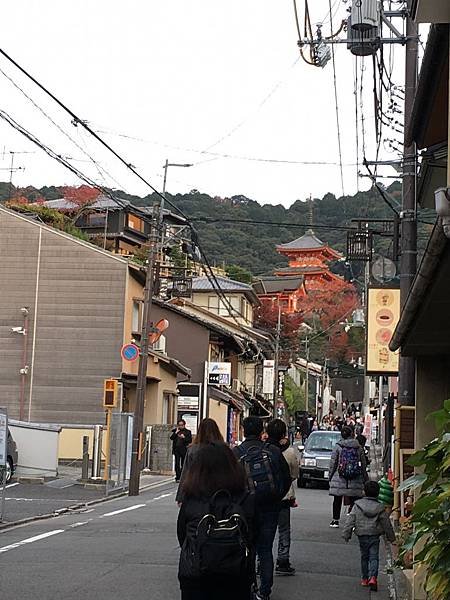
x=338, y=485
x=368, y=517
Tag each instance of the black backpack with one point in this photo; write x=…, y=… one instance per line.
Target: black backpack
x=349, y=466
x=219, y=546
x=263, y=471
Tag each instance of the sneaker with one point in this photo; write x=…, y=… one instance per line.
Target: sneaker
x=259, y=596
x=373, y=584
x=284, y=568
x=334, y=524
x=364, y=582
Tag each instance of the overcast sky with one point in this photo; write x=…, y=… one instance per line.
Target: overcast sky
x=190, y=79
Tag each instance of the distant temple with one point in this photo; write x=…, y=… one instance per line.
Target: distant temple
x=308, y=270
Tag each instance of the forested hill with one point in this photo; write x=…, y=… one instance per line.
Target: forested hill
x=252, y=246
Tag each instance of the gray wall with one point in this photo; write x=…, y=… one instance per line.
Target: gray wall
x=79, y=325
x=186, y=341
x=432, y=389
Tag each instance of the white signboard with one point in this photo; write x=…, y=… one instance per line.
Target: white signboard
x=3, y=437
x=219, y=373
x=268, y=376
x=187, y=402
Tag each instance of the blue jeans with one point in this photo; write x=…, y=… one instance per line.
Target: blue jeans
x=267, y=523
x=284, y=533
x=370, y=548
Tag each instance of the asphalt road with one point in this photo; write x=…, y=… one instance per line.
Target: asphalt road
x=127, y=548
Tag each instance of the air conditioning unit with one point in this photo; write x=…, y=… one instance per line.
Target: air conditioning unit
x=364, y=14
x=160, y=345
x=236, y=385
x=251, y=390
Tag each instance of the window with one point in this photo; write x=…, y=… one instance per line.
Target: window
x=96, y=219
x=135, y=223
x=135, y=324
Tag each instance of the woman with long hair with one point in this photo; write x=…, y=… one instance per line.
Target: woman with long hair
x=215, y=528
x=208, y=432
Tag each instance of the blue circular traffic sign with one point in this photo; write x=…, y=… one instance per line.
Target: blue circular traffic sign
x=130, y=352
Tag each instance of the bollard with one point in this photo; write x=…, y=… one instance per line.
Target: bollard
x=97, y=452
x=85, y=463
x=148, y=443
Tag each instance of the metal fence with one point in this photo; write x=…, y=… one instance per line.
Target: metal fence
x=120, y=452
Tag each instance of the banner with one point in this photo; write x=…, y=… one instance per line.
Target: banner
x=383, y=313
x=268, y=377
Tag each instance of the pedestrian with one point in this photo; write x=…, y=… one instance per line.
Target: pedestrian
x=208, y=432
x=304, y=429
x=215, y=528
x=370, y=521
x=283, y=566
x=181, y=438
x=269, y=479
x=362, y=441
x=291, y=430
x=348, y=472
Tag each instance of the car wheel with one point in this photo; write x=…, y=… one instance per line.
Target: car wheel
x=9, y=470
x=301, y=483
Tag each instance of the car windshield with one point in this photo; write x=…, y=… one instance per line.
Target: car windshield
x=324, y=441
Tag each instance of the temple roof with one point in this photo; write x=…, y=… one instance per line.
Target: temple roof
x=306, y=241
x=274, y=284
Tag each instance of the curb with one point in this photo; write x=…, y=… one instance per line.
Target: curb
x=78, y=506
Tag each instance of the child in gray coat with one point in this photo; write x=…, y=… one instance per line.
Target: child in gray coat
x=369, y=520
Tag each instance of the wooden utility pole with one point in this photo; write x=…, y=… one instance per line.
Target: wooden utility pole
x=408, y=215
x=276, y=362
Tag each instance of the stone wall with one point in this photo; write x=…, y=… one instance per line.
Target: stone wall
x=161, y=458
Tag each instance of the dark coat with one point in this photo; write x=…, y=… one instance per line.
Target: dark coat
x=217, y=588
x=180, y=444
x=275, y=449
x=190, y=457
x=339, y=486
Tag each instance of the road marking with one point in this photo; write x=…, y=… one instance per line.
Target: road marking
x=116, y=512
x=161, y=497
x=79, y=524
x=35, y=538
x=11, y=485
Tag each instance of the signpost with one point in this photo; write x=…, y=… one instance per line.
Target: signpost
x=130, y=352
x=3, y=454
x=219, y=373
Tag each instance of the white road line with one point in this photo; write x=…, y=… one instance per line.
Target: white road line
x=79, y=524
x=11, y=485
x=35, y=538
x=116, y=512
x=161, y=497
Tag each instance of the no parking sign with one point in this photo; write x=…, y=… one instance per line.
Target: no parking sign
x=130, y=352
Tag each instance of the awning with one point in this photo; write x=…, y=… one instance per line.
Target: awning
x=227, y=396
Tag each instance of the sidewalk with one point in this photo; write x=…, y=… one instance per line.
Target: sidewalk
x=29, y=500
x=327, y=567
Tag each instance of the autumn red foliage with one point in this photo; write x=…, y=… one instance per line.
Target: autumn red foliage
x=80, y=195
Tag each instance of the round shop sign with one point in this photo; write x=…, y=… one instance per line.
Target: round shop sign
x=130, y=352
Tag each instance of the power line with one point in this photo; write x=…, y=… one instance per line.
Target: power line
x=336, y=103
x=78, y=121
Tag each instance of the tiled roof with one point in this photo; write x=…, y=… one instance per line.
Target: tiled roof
x=229, y=285
x=306, y=241
x=271, y=285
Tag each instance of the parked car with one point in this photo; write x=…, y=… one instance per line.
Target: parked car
x=315, y=457
x=11, y=459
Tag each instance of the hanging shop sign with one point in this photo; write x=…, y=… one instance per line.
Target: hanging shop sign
x=219, y=373
x=268, y=376
x=383, y=313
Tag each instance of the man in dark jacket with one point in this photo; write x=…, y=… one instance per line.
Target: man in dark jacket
x=181, y=439
x=267, y=511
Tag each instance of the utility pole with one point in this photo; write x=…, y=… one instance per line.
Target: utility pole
x=141, y=384
x=156, y=229
x=276, y=362
x=408, y=215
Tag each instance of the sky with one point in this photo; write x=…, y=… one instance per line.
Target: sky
x=219, y=85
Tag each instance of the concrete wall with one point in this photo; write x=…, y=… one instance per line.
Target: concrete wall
x=161, y=449
x=37, y=449
x=71, y=443
x=75, y=294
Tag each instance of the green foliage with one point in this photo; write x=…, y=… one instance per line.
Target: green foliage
x=239, y=274
x=49, y=216
x=430, y=516
x=293, y=395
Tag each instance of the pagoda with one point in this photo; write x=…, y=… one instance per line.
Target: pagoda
x=308, y=271
x=309, y=258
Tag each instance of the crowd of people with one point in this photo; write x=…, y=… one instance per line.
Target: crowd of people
x=233, y=501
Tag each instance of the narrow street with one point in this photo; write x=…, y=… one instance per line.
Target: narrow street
x=127, y=548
